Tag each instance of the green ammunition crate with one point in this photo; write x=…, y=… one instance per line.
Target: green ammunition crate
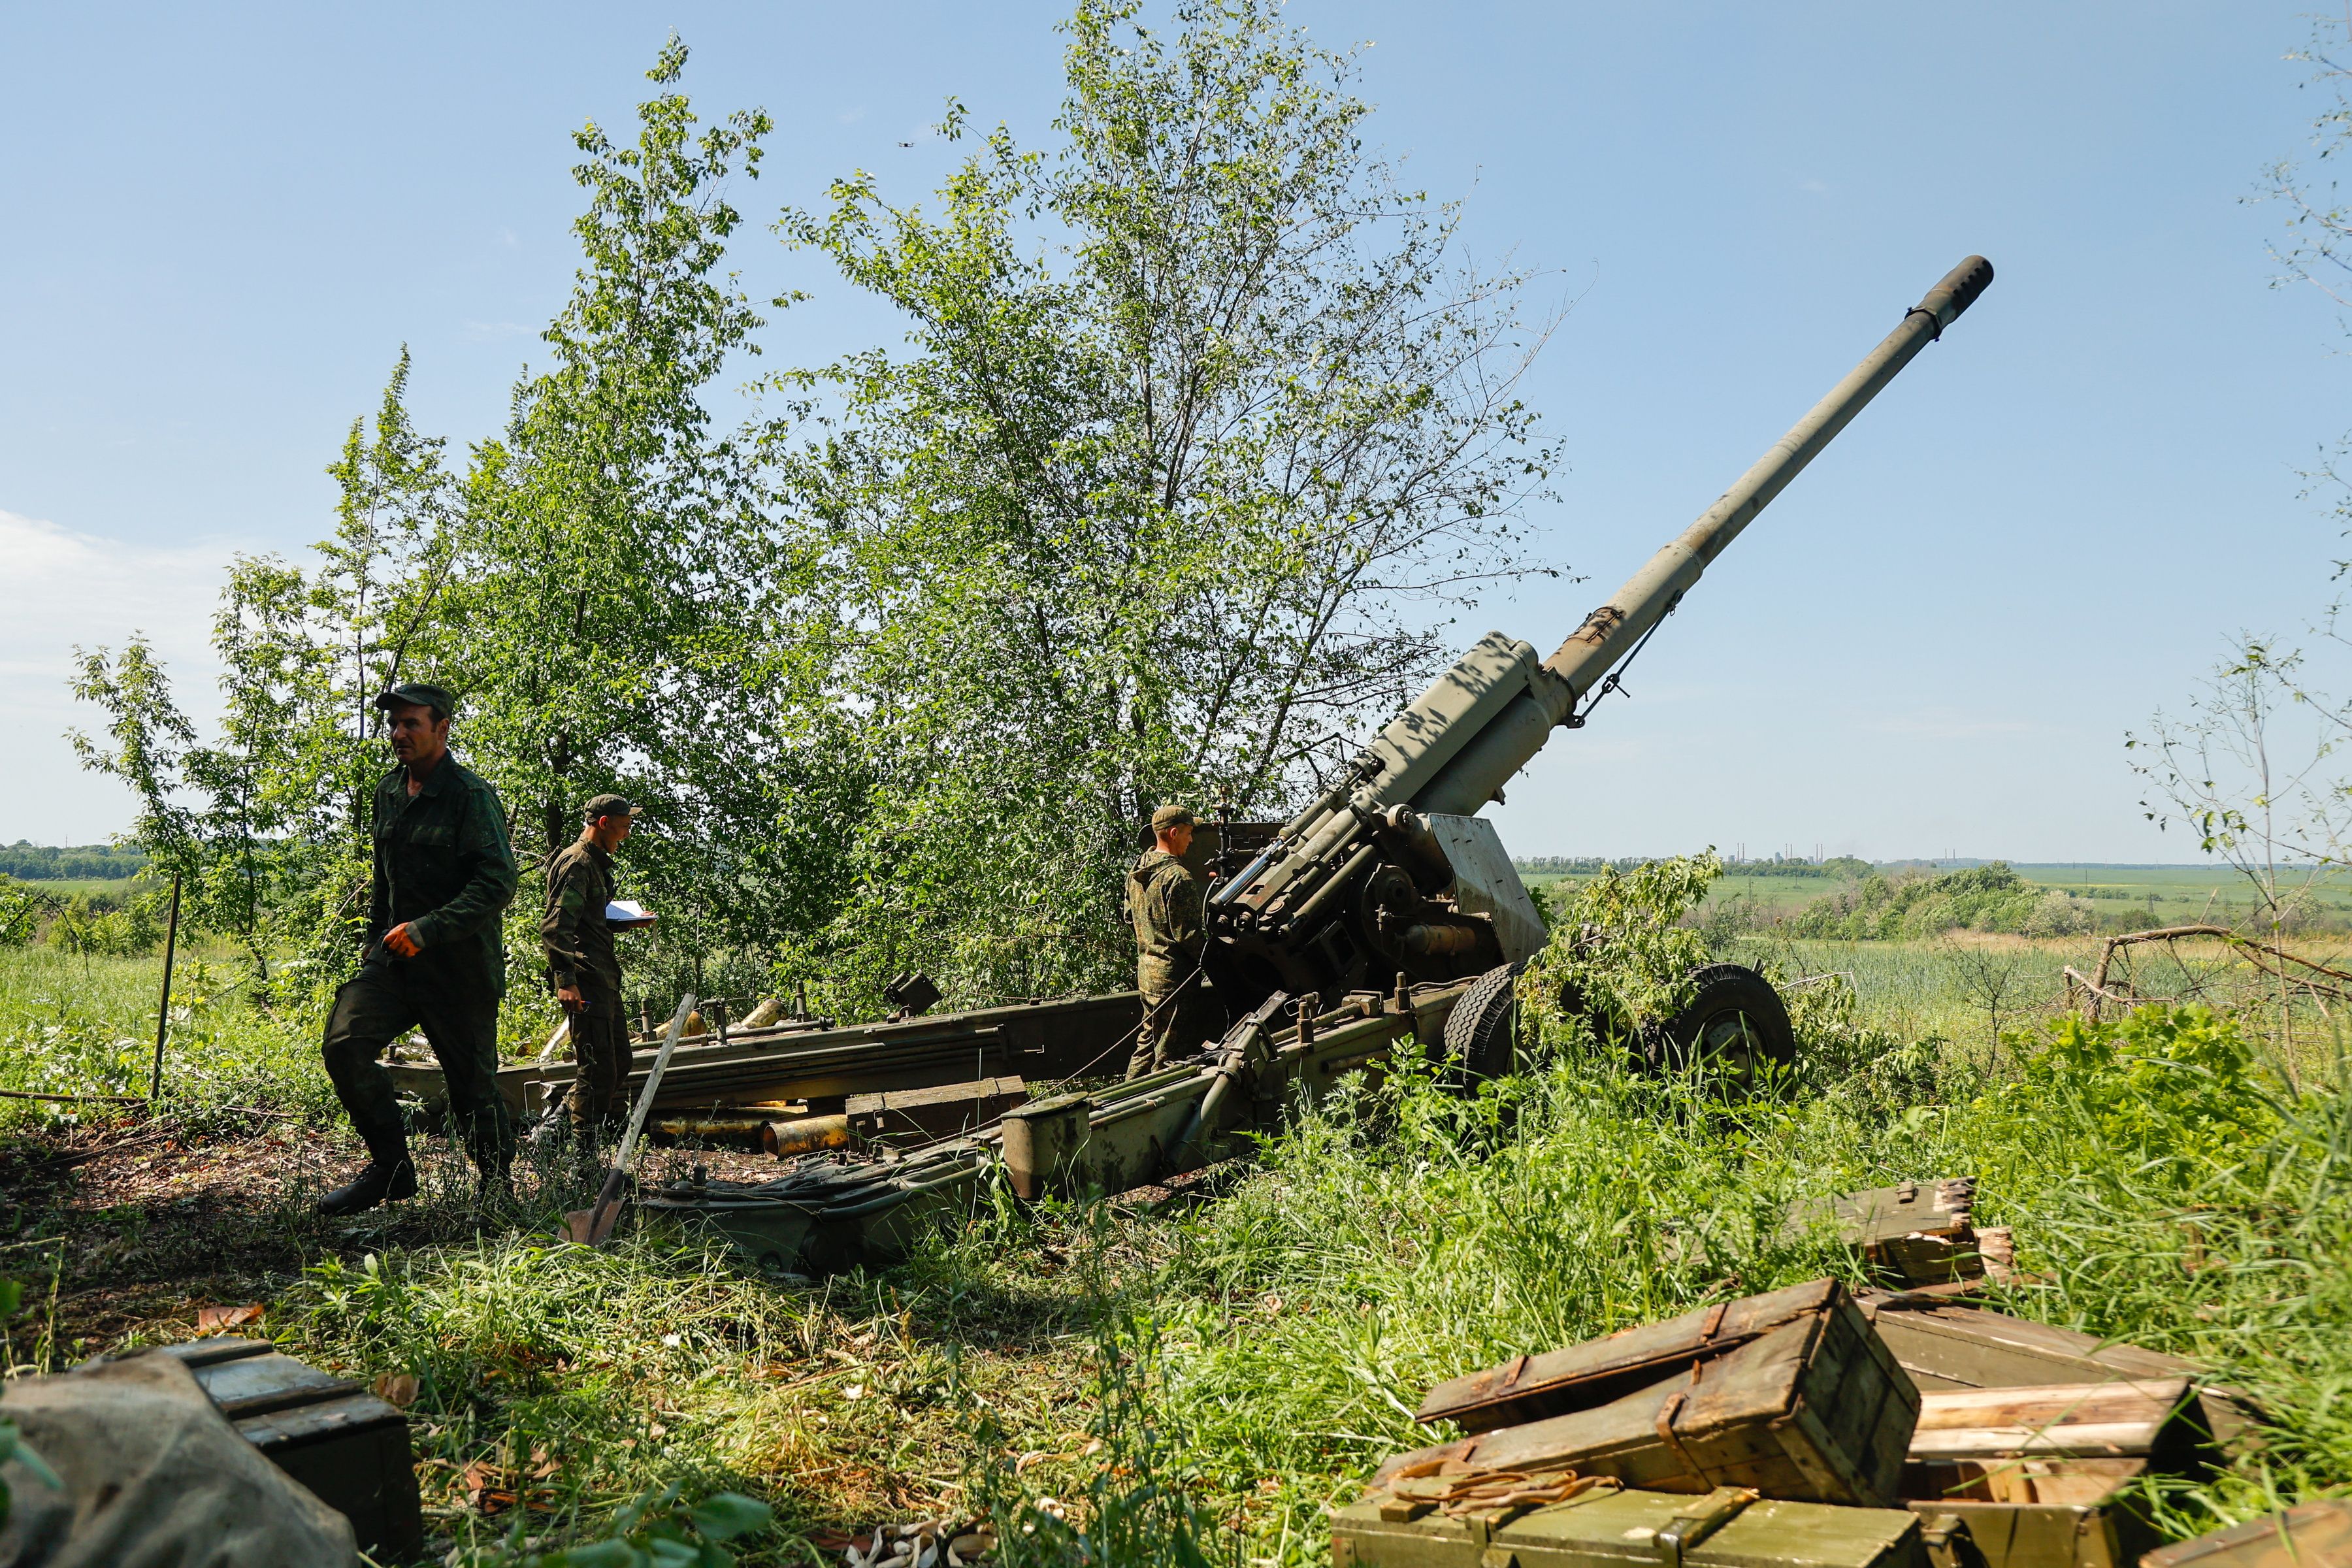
x=331, y=1436
x=2110, y=1534
x=1914, y=1233
x=1606, y=1528
x=2039, y=1512
x=1581, y=1376
x=1811, y=1408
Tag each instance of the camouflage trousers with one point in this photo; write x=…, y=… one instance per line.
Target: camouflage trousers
x=1176, y=1023
x=600, y=1047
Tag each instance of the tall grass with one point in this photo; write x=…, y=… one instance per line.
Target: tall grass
x=1400, y=1238
x=84, y=1025
x=1249, y=1360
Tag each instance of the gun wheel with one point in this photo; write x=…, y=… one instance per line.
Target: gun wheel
x=1735, y=1029
x=1481, y=1032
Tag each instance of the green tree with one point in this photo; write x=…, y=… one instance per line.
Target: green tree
x=602, y=587
x=1201, y=431
x=624, y=612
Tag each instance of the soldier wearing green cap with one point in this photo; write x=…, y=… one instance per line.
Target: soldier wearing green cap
x=434, y=958
x=585, y=972
x=1164, y=899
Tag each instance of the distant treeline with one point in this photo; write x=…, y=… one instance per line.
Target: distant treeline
x=1839, y=868
x=1576, y=864
x=1843, y=868
x=51, y=863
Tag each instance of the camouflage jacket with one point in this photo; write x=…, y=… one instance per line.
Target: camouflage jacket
x=443, y=867
x=1164, y=899
x=578, y=938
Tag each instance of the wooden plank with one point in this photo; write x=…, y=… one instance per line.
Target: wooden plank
x=2085, y=1420
x=1948, y=1346
x=940, y=1111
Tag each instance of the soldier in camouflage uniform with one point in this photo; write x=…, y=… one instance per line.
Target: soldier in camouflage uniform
x=1164, y=897
x=435, y=958
x=586, y=972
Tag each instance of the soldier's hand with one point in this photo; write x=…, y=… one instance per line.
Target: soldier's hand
x=398, y=942
x=570, y=998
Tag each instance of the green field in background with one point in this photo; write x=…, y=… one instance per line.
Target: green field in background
x=107, y=887
x=2160, y=895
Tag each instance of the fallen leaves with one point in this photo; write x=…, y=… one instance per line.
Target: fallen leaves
x=397, y=1388
x=492, y=1488
x=220, y=1320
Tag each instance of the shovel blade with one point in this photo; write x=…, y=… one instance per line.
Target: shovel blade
x=590, y=1227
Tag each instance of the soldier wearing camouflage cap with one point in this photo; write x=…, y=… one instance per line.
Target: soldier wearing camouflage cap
x=434, y=959
x=585, y=972
x=1164, y=899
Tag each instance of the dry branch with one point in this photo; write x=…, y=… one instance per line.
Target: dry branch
x=2269, y=957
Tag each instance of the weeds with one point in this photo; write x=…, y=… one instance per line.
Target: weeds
x=1194, y=1384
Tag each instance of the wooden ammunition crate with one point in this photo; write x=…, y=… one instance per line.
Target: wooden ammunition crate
x=1810, y=1408
x=1944, y=1345
x=1581, y=1376
x=2046, y=1477
x=331, y=1436
x=2084, y=1516
x=2312, y=1535
x=1606, y=1528
x=1914, y=1233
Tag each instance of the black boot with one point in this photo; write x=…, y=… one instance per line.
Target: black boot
x=389, y=1174
x=494, y=1188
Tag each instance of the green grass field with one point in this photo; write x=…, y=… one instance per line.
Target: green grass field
x=1161, y=1365
x=94, y=888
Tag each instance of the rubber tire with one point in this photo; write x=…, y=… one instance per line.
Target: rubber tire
x=1481, y=1032
x=1728, y=993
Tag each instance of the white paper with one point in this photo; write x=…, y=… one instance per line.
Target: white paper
x=628, y=912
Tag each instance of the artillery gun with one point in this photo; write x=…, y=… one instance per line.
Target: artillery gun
x=1389, y=874
x=1384, y=914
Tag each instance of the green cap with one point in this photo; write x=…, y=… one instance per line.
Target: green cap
x=1169, y=817
x=416, y=694
x=605, y=806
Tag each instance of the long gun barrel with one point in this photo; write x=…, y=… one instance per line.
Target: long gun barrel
x=1315, y=912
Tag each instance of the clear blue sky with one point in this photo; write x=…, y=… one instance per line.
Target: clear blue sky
x=221, y=223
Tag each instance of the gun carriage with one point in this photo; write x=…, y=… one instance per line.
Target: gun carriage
x=1385, y=915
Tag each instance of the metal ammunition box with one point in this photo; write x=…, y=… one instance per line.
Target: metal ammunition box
x=1812, y=1409
x=2312, y=1535
x=344, y=1444
x=1606, y=1528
